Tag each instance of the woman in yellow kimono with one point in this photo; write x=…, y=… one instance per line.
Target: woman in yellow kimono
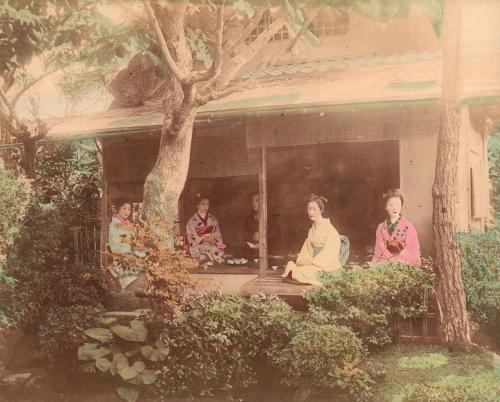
x=320, y=251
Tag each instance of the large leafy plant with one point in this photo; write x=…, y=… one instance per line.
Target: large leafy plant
x=120, y=350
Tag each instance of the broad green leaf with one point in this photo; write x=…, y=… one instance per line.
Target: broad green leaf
x=102, y=364
x=127, y=373
x=139, y=366
x=146, y=351
x=148, y=377
x=108, y=320
x=91, y=351
x=137, y=333
x=128, y=394
x=121, y=361
x=244, y=7
x=101, y=334
x=119, y=357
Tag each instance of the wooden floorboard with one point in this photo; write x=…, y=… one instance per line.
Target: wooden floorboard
x=274, y=286
x=235, y=269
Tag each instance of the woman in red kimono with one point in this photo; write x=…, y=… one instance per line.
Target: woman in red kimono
x=396, y=239
x=203, y=235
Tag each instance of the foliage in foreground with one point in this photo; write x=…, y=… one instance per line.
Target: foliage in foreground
x=65, y=195
x=366, y=300
x=481, y=277
x=14, y=199
x=167, y=272
x=432, y=373
x=484, y=387
x=62, y=332
x=228, y=346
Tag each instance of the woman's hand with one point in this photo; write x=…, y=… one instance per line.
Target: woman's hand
x=304, y=262
x=208, y=239
x=252, y=245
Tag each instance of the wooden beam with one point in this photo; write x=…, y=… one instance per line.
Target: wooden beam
x=263, y=213
x=104, y=212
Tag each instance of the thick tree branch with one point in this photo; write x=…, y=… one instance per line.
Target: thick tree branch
x=304, y=27
x=204, y=99
x=134, y=13
x=233, y=65
x=31, y=85
x=7, y=80
x=4, y=100
x=11, y=117
x=172, y=65
x=230, y=46
x=214, y=71
x=297, y=37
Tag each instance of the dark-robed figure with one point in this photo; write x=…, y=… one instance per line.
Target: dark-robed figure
x=251, y=232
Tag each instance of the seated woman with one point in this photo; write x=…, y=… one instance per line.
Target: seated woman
x=203, y=235
x=396, y=239
x=251, y=229
x=120, y=239
x=320, y=252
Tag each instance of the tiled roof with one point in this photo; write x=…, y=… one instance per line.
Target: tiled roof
x=338, y=64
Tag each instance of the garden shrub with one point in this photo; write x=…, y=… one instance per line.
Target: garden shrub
x=325, y=357
x=14, y=199
x=62, y=332
x=226, y=346
x=366, y=300
x=481, y=277
x=483, y=386
x=218, y=344
x=65, y=195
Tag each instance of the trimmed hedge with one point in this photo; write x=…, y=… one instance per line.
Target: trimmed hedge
x=366, y=300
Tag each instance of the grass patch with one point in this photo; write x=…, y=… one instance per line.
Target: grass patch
x=400, y=369
x=428, y=361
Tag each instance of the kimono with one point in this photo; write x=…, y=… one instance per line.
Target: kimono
x=398, y=240
x=251, y=234
x=319, y=253
x=120, y=229
x=195, y=229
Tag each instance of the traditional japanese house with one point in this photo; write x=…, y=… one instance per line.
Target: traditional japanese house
x=348, y=119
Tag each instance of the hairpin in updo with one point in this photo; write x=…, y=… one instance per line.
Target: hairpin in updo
x=396, y=192
x=318, y=197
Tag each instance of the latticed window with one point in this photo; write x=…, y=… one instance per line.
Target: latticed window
x=330, y=22
x=264, y=23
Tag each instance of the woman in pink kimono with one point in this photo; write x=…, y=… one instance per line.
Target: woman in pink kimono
x=396, y=238
x=320, y=251
x=203, y=235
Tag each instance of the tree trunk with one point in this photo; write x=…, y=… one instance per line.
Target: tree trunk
x=449, y=286
x=166, y=181
x=29, y=158
x=5, y=138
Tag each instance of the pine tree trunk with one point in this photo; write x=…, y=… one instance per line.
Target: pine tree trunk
x=449, y=286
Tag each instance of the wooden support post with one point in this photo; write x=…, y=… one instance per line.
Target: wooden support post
x=104, y=213
x=263, y=213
